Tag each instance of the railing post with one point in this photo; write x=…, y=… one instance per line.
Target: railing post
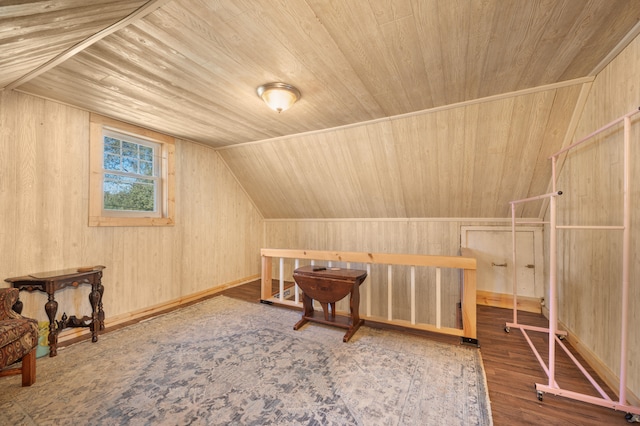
x=469, y=304
x=265, y=283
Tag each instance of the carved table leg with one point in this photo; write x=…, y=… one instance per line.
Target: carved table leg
x=94, y=299
x=51, y=307
x=100, y=308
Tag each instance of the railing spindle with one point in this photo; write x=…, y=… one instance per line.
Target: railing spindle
x=413, y=295
x=438, y=298
x=296, y=288
x=389, y=293
x=369, y=289
x=281, y=286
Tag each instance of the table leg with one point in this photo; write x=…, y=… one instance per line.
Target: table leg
x=100, y=308
x=325, y=310
x=354, y=327
x=94, y=299
x=51, y=307
x=307, y=311
x=354, y=304
x=354, y=307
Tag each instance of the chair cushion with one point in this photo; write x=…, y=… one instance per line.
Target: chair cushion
x=18, y=337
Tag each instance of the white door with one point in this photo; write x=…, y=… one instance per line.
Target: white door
x=493, y=248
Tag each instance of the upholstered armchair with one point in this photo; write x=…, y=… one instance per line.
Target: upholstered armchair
x=18, y=339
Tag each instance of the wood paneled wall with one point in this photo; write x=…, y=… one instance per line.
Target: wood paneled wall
x=590, y=263
x=44, y=154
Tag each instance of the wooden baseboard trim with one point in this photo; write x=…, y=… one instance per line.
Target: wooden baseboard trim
x=502, y=300
x=135, y=316
x=609, y=377
x=612, y=380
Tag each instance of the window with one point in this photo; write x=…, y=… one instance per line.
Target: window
x=131, y=181
x=132, y=171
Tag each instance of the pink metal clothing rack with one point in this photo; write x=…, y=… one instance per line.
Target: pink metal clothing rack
x=555, y=335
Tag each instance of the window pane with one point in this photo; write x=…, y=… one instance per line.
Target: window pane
x=129, y=165
x=112, y=162
x=129, y=156
x=127, y=193
x=130, y=149
x=146, y=153
x=111, y=145
x=146, y=168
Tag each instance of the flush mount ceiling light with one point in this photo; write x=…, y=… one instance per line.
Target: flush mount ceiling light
x=278, y=96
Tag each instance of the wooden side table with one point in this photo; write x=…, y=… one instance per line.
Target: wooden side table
x=327, y=286
x=50, y=282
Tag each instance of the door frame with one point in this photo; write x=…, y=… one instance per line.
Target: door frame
x=503, y=300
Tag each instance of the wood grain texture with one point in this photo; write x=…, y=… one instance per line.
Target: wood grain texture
x=475, y=136
x=421, y=237
x=32, y=33
x=590, y=264
x=139, y=13
x=409, y=109
x=388, y=287
x=512, y=370
x=44, y=166
x=190, y=69
x=468, y=161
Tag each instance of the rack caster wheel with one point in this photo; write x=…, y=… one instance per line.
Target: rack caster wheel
x=632, y=418
x=539, y=394
x=561, y=336
x=507, y=329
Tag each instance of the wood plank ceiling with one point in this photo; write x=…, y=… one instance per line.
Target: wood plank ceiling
x=189, y=68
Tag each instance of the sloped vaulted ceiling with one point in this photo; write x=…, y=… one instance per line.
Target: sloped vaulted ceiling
x=459, y=102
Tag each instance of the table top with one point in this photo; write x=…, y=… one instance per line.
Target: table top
x=59, y=274
x=329, y=272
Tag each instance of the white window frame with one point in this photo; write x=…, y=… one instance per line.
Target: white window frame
x=165, y=199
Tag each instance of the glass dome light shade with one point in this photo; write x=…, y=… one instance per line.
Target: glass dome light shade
x=278, y=96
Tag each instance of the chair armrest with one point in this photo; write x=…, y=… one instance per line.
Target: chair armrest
x=8, y=296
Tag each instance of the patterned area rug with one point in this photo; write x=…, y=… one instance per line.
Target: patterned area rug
x=229, y=362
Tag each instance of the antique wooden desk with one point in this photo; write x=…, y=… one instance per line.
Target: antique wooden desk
x=50, y=282
x=327, y=286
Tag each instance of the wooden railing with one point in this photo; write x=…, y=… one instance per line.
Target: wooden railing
x=467, y=292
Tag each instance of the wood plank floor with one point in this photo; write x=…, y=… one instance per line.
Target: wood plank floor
x=512, y=371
